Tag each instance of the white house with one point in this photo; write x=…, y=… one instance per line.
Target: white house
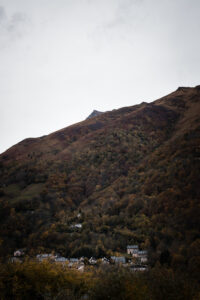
x=133, y=250
x=19, y=252
x=92, y=261
x=105, y=261
x=45, y=256
x=61, y=260
x=78, y=225
x=142, y=256
x=118, y=259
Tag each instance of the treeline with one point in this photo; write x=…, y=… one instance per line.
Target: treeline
x=45, y=281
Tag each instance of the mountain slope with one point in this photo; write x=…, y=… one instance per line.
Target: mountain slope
x=128, y=176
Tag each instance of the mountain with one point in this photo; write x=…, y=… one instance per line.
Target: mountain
x=127, y=176
x=95, y=113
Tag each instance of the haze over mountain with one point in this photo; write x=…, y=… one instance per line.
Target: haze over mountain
x=127, y=176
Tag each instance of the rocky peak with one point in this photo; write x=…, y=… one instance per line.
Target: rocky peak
x=94, y=114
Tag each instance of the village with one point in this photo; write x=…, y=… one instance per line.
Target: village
x=135, y=259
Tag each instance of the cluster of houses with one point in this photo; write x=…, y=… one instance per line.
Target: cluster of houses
x=141, y=256
x=135, y=260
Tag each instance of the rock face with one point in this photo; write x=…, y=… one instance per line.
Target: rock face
x=132, y=176
x=94, y=114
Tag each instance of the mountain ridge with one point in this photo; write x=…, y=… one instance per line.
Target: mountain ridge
x=29, y=140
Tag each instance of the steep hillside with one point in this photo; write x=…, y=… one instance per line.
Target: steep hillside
x=128, y=176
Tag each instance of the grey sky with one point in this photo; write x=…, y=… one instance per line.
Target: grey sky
x=60, y=59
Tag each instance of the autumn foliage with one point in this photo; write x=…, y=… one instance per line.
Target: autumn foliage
x=128, y=176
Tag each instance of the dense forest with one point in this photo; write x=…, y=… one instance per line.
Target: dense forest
x=128, y=176
x=44, y=281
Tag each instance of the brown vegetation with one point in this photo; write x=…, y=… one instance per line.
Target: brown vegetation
x=132, y=174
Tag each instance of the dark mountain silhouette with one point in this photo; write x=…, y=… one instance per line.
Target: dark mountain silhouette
x=128, y=176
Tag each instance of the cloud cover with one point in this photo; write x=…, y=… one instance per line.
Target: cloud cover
x=62, y=59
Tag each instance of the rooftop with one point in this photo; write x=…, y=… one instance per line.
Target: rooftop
x=132, y=247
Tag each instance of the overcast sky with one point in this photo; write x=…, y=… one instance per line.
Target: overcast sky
x=60, y=59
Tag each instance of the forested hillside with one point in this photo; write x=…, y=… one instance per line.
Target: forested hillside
x=127, y=176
